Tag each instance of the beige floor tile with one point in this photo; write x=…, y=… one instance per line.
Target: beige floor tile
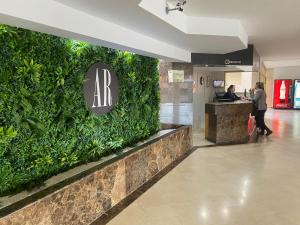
x=254, y=184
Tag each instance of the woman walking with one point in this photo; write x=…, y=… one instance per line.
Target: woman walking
x=259, y=99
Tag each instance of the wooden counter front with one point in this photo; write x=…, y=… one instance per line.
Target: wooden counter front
x=227, y=122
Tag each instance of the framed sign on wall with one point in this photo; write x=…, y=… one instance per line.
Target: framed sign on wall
x=176, y=76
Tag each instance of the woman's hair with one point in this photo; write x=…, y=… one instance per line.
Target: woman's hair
x=230, y=88
x=260, y=85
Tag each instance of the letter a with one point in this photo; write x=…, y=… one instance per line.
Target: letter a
x=97, y=95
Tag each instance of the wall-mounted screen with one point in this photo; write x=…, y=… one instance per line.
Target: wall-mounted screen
x=297, y=94
x=218, y=83
x=283, y=90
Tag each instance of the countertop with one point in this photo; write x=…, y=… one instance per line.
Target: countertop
x=239, y=102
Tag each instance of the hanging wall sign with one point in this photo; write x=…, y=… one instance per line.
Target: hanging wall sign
x=100, y=89
x=246, y=57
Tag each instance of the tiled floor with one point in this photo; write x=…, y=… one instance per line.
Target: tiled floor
x=254, y=184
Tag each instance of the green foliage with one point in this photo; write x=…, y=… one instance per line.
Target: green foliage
x=45, y=127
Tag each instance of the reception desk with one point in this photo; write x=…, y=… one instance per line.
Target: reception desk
x=227, y=122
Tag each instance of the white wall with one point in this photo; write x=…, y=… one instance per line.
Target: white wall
x=241, y=80
x=203, y=94
x=292, y=72
x=255, y=79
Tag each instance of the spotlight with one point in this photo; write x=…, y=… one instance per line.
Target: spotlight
x=178, y=6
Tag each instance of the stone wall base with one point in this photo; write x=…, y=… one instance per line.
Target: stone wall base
x=86, y=199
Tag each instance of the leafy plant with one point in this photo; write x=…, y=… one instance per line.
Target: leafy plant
x=45, y=127
x=6, y=136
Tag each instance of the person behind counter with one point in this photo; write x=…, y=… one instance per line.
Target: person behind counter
x=230, y=94
x=259, y=99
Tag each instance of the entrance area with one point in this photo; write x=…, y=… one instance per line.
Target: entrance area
x=184, y=91
x=186, y=88
x=145, y=112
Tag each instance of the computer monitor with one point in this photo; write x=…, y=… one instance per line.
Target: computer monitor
x=218, y=83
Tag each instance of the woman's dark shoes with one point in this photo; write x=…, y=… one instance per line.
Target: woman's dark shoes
x=260, y=133
x=269, y=132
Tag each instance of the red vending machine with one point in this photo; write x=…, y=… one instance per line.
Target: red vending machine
x=283, y=94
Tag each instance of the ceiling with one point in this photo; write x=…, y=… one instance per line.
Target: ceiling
x=272, y=26
x=142, y=26
x=130, y=15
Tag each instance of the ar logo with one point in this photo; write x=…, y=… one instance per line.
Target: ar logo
x=106, y=89
x=100, y=89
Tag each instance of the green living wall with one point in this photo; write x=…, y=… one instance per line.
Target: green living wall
x=45, y=127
